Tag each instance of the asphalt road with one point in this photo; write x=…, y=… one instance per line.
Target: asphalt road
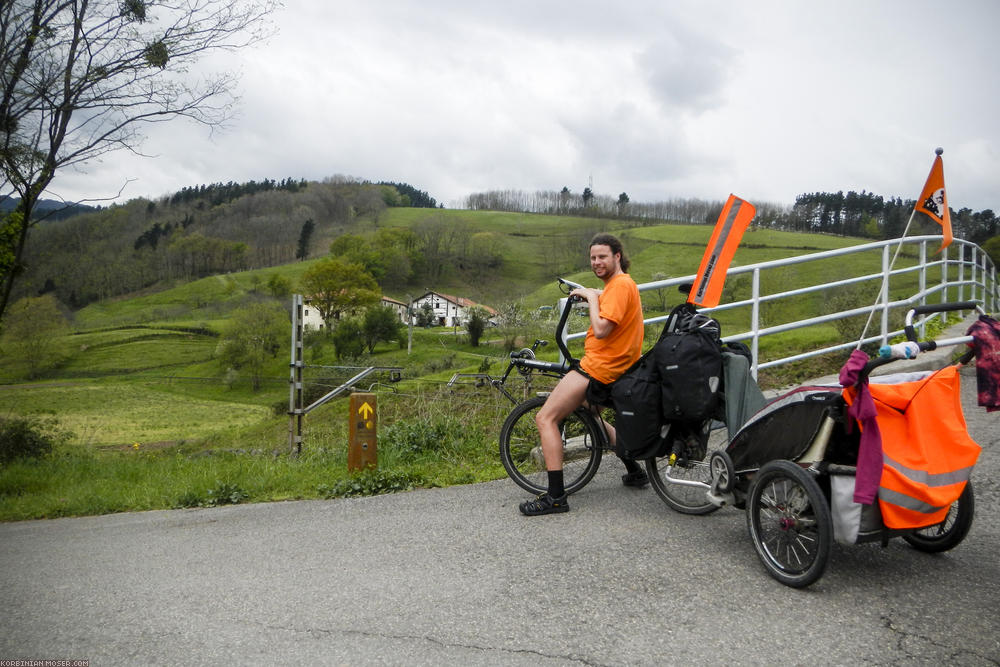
x=456, y=576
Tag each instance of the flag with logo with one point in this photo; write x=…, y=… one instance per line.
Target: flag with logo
x=934, y=202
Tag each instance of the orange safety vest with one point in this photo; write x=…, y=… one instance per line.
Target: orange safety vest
x=927, y=454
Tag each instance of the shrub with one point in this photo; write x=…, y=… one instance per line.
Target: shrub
x=476, y=324
x=413, y=437
x=348, y=339
x=25, y=438
x=225, y=494
x=370, y=482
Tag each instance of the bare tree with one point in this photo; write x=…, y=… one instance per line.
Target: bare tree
x=80, y=78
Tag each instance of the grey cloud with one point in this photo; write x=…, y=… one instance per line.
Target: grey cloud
x=686, y=72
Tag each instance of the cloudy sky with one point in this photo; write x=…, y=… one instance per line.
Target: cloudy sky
x=659, y=99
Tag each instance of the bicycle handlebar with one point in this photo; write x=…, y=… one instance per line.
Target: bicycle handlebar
x=525, y=358
x=568, y=285
x=911, y=334
x=563, y=317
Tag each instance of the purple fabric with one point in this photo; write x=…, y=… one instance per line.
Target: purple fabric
x=870, y=449
x=985, y=343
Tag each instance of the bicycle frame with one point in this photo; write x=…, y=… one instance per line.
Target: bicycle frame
x=525, y=362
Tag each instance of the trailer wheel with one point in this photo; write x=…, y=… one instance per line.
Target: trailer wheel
x=789, y=521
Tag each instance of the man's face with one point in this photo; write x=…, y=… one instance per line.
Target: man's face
x=603, y=262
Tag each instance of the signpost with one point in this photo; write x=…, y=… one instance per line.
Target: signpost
x=363, y=418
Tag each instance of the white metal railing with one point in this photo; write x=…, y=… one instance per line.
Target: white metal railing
x=976, y=280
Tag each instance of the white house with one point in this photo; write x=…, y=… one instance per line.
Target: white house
x=311, y=318
x=448, y=310
x=397, y=307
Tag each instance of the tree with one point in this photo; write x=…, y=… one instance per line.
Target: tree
x=476, y=324
x=425, y=315
x=347, y=339
x=659, y=297
x=32, y=331
x=588, y=197
x=81, y=77
x=992, y=248
x=380, y=324
x=623, y=204
x=251, y=337
x=513, y=322
x=304, y=236
x=279, y=286
x=335, y=287
x=355, y=249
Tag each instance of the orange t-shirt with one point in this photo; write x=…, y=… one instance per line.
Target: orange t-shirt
x=605, y=359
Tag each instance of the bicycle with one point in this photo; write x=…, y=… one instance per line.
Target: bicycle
x=677, y=475
x=584, y=432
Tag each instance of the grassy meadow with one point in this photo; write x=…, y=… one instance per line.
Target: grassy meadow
x=144, y=417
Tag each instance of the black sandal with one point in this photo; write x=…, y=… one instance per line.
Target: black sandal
x=544, y=504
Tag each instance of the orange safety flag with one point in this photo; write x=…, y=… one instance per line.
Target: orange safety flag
x=733, y=221
x=927, y=453
x=934, y=202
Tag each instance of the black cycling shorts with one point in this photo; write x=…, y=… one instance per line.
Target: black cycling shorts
x=598, y=393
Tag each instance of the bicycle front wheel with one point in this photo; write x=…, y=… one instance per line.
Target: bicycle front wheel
x=521, y=448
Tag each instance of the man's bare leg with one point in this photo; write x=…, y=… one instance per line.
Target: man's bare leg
x=568, y=394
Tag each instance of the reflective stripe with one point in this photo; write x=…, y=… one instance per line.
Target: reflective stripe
x=930, y=479
x=906, y=502
x=727, y=228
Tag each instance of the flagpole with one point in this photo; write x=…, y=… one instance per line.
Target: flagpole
x=885, y=278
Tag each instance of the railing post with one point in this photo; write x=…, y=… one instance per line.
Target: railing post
x=994, y=289
x=942, y=317
x=961, y=274
x=975, y=273
x=884, y=294
x=995, y=292
x=755, y=321
x=923, y=282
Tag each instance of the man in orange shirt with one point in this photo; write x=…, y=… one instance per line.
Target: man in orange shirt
x=614, y=342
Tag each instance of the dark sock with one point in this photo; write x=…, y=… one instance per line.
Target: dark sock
x=631, y=466
x=556, y=488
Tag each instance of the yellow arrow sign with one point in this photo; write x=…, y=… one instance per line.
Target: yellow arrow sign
x=366, y=410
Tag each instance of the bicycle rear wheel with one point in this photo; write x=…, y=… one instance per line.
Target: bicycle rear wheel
x=693, y=467
x=521, y=448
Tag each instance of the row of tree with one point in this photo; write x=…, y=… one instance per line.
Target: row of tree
x=871, y=215
x=693, y=211
x=218, y=193
x=863, y=214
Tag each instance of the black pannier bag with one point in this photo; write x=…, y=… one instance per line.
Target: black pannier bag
x=688, y=359
x=636, y=398
x=677, y=380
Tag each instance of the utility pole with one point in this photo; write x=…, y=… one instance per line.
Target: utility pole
x=409, y=324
